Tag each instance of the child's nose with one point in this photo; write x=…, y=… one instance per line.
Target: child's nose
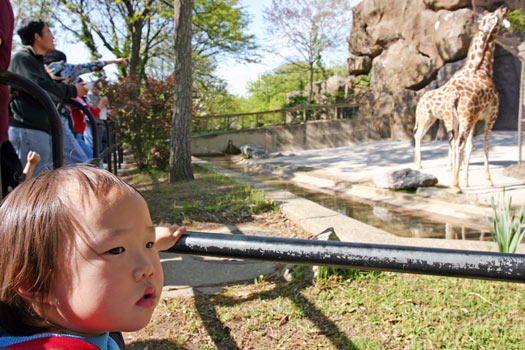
x=144, y=269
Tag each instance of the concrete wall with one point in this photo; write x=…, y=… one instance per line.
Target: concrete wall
x=312, y=135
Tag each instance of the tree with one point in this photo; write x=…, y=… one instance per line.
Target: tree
x=310, y=27
x=271, y=89
x=142, y=29
x=180, y=143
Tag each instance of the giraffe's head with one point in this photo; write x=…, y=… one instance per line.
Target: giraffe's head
x=491, y=22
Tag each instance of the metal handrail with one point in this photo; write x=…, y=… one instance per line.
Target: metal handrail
x=418, y=260
x=35, y=91
x=289, y=109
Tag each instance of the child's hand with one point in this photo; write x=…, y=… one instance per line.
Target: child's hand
x=167, y=236
x=120, y=61
x=33, y=158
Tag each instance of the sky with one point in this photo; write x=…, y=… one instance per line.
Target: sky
x=237, y=74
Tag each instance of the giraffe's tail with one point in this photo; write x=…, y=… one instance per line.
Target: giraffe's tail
x=453, y=123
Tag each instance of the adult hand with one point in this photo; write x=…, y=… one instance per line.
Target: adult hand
x=167, y=236
x=81, y=90
x=104, y=102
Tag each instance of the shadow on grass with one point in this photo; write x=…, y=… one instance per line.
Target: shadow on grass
x=221, y=334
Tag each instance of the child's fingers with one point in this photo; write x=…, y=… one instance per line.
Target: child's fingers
x=179, y=231
x=167, y=236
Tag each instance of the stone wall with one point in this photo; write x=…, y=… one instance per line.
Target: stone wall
x=288, y=137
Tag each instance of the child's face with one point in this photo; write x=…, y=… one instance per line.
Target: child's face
x=114, y=282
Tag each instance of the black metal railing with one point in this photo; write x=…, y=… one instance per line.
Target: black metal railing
x=21, y=84
x=417, y=260
x=27, y=86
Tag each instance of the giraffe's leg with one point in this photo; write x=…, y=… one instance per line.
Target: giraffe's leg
x=469, y=145
x=423, y=122
x=450, y=120
x=455, y=165
x=486, y=148
x=458, y=145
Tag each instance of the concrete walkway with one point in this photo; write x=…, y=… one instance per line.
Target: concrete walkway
x=351, y=170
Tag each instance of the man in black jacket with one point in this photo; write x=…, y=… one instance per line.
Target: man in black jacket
x=29, y=127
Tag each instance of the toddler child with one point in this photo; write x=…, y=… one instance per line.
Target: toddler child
x=79, y=259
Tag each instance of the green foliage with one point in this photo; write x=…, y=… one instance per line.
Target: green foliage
x=506, y=227
x=144, y=112
x=270, y=91
x=226, y=198
x=362, y=81
x=219, y=28
x=517, y=19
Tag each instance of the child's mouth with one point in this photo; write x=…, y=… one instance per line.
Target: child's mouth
x=148, y=299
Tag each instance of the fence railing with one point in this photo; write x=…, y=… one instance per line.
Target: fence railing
x=23, y=85
x=418, y=260
x=27, y=86
x=291, y=115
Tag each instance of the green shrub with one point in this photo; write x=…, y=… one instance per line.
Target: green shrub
x=517, y=20
x=144, y=112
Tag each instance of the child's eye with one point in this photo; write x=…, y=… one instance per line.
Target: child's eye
x=150, y=244
x=116, y=251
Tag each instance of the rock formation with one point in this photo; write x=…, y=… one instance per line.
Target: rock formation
x=410, y=46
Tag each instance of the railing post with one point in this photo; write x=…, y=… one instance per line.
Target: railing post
x=242, y=122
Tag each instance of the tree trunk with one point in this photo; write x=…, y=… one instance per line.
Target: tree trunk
x=180, y=145
x=311, y=82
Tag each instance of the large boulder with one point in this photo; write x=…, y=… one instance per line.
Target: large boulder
x=252, y=151
x=407, y=44
x=405, y=179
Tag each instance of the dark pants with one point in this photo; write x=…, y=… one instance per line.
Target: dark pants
x=11, y=167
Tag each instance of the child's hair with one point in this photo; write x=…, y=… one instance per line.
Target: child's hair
x=38, y=221
x=54, y=56
x=29, y=28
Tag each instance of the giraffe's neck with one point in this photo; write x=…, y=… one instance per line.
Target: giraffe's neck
x=487, y=64
x=481, y=54
x=476, y=51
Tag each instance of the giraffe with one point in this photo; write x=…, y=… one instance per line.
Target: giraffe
x=468, y=97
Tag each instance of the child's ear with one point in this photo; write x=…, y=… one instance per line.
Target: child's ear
x=24, y=291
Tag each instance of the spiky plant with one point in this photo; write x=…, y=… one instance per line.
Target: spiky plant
x=505, y=227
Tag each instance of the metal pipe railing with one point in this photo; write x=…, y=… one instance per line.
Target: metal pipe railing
x=418, y=260
x=30, y=88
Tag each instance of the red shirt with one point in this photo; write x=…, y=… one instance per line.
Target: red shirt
x=79, y=123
